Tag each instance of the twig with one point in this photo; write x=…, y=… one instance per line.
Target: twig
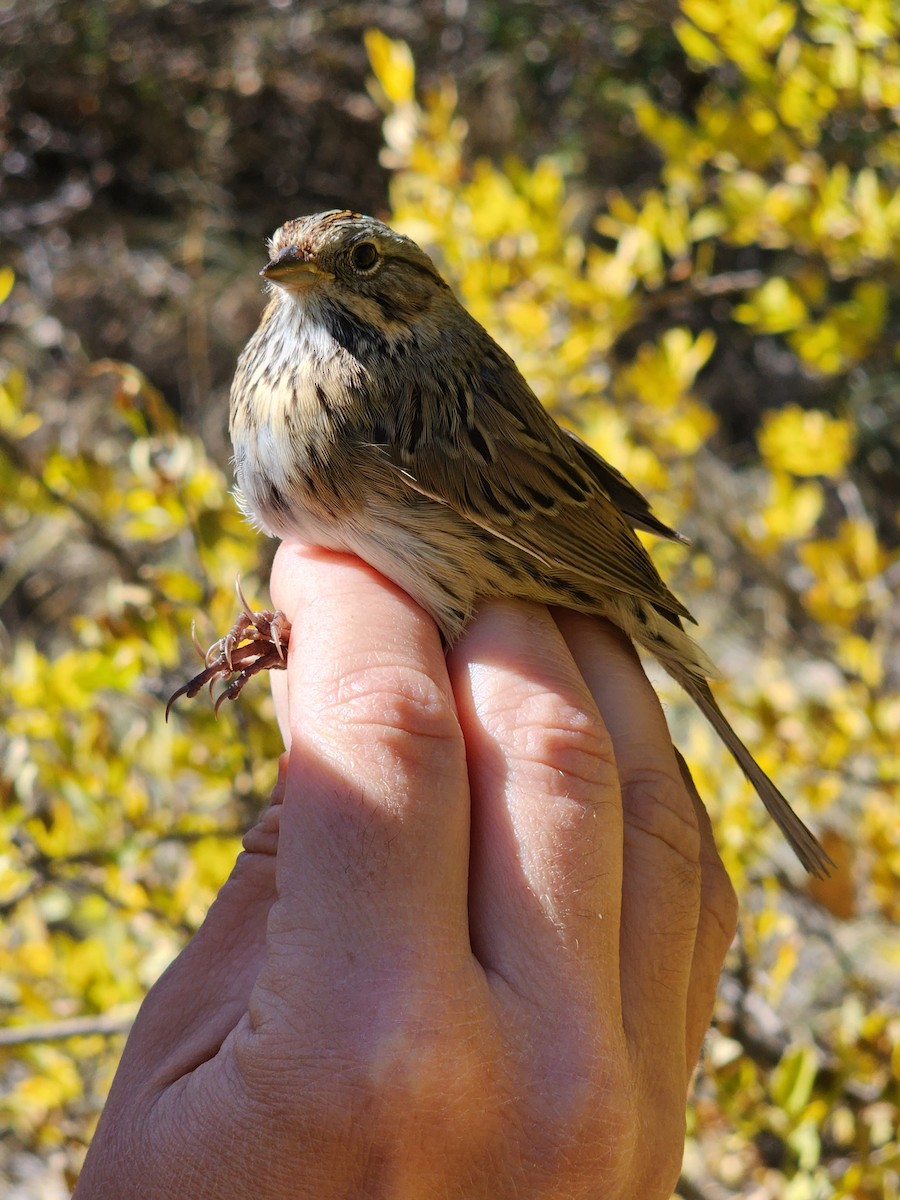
x=104, y=1024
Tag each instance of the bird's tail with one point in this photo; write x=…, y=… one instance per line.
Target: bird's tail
x=804, y=843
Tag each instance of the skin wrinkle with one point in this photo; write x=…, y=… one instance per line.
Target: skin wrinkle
x=655, y=804
x=342, y=1103
x=718, y=899
x=388, y=732
x=679, y=924
x=563, y=738
x=387, y=697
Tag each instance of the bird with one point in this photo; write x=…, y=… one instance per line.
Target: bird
x=371, y=413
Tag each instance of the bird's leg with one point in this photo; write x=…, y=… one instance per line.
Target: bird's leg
x=256, y=642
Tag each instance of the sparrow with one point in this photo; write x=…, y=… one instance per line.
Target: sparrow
x=371, y=413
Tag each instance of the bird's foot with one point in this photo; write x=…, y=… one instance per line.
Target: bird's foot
x=257, y=641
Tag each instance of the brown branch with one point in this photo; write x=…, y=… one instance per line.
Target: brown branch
x=104, y=1024
x=700, y=287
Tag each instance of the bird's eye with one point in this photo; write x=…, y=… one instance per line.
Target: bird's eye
x=364, y=256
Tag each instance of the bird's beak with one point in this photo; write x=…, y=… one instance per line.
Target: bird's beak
x=291, y=268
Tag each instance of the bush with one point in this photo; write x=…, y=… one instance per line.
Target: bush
x=726, y=333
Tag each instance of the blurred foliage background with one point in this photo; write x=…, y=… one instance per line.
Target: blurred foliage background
x=683, y=221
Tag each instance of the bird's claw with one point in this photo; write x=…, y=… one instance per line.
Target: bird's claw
x=256, y=642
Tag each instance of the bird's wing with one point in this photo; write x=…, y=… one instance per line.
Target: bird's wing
x=484, y=445
x=635, y=508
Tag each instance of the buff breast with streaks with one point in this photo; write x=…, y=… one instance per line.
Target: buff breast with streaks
x=371, y=413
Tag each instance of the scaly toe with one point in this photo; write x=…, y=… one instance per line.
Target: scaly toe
x=257, y=641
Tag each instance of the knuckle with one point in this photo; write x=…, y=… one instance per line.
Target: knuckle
x=630, y=1143
x=418, y=1066
x=388, y=703
x=637, y=1141
x=566, y=748
x=584, y=1147
x=658, y=805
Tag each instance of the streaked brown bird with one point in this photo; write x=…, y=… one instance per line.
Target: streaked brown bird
x=371, y=413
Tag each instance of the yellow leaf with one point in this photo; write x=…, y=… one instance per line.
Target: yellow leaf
x=773, y=308
x=844, y=63
x=705, y=13
x=861, y=657
x=775, y=26
x=7, y=279
x=697, y=45
x=15, y=418
x=805, y=442
x=792, y=509
x=392, y=62
x=847, y=570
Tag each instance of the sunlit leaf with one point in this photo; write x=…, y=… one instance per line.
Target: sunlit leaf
x=806, y=441
x=392, y=63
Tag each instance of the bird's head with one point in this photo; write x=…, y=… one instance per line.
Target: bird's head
x=356, y=265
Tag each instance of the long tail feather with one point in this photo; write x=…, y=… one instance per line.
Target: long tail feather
x=804, y=843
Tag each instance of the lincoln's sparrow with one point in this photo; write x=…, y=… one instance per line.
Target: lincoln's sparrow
x=371, y=413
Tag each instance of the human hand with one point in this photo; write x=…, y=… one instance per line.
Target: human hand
x=472, y=947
